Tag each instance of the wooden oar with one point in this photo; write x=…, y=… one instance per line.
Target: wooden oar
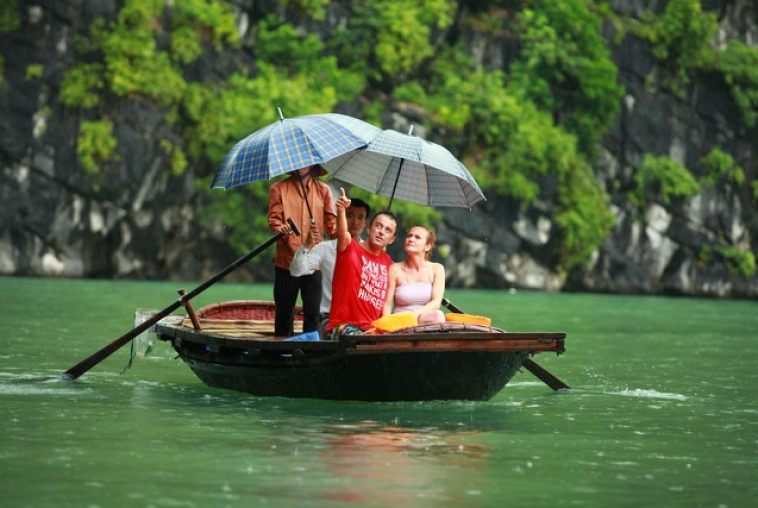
x=532, y=366
x=86, y=364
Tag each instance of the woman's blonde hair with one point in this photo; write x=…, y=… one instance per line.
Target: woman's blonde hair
x=431, y=239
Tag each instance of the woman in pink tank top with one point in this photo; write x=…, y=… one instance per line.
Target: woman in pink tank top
x=416, y=284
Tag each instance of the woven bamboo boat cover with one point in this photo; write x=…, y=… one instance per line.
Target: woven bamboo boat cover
x=239, y=327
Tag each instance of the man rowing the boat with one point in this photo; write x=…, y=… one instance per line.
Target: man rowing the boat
x=300, y=197
x=361, y=272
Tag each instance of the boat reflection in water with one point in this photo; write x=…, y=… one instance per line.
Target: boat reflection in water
x=376, y=464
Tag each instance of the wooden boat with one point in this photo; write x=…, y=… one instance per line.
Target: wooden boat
x=231, y=345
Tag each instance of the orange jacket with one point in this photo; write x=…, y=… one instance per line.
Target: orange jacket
x=285, y=201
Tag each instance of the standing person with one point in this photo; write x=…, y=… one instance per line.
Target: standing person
x=309, y=257
x=307, y=202
x=416, y=284
x=361, y=272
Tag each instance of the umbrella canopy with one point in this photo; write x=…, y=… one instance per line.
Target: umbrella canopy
x=289, y=144
x=410, y=168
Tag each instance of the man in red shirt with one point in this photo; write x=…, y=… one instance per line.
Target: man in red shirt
x=361, y=272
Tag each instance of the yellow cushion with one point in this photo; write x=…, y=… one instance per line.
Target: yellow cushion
x=468, y=318
x=392, y=322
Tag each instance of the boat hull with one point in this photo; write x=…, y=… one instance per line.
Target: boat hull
x=383, y=377
x=234, y=349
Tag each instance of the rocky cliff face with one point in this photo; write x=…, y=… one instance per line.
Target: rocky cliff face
x=138, y=221
x=658, y=250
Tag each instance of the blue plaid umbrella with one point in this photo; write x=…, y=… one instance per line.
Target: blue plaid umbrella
x=410, y=168
x=290, y=144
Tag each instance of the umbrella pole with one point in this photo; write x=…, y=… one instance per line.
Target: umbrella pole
x=394, y=187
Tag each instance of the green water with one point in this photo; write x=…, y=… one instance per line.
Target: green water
x=662, y=413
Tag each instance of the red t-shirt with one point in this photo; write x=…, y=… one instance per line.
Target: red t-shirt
x=358, y=287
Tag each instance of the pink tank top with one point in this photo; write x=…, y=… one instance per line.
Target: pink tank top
x=412, y=295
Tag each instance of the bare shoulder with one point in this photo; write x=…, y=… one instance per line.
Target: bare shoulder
x=438, y=268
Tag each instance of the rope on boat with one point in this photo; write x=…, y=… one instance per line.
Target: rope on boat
x=132, y=354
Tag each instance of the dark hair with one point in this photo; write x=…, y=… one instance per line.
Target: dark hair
x=359, y=203
x=388, y=214
x=317, y=170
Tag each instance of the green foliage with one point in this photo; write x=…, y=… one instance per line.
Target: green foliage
x=133, y=62
x=210, y=19
x=176, y=157
x=720, y=165
x=185, y=45
x=565, y=67
x=403, y=31
x=283, y=47
x=681, y=38
x=662, y=178
x=196, y=21
x=352, y=44
x=81, y=86
x=242, y=212
x=9, y=16
x=512, y=147
x=34, y=71
x=520, y=144
x=583, y=216
x=221, y=113
x=291, y=73
x=516, y=132
x=388, y=39
x=738, y=261
x=372, y=112
x=739, y=64
x=315, y=9
x=95, y=145
x=283, y=44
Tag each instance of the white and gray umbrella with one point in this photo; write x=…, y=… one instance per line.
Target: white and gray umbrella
x=410, y=168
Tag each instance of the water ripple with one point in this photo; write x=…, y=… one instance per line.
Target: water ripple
x=650, y=394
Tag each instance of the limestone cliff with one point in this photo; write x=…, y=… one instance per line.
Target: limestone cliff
x=139, y=220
